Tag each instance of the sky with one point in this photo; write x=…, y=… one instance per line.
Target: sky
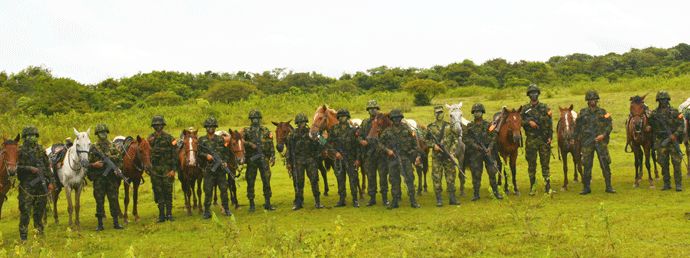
x=90, y=41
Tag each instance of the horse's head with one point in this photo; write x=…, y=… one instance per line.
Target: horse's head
x=190, y=146
x=82, y=145
x=144, y=151
x=380, y=123
x=566, y=124
x=638, y=111
x=513, y=122
x=456, y=118
x=9, y=155
x=283, y=129
x=324, y=118
x=236, y=144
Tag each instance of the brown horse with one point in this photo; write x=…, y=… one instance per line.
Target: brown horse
x=324, y=119
x=235, y=144
x=565, y=131
x=137, y=158
x=8, y=166
x=509, y=140
x=191, y=172
x=640, y=139
x=378, y=125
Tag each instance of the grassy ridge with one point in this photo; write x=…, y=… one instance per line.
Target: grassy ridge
x=635, y=222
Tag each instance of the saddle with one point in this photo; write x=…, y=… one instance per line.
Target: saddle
x=498, y=120
x=125, y=146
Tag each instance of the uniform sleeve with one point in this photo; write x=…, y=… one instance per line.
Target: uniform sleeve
x=330, y=141
x=452, y=140
x=525, y=118
x=413, y=152
x=549, y=123
x=383, y=141
x=174, y=157
x=269, y=139
x=678, y=124
x=608, y=123
x=247, y=138
x=362, y=132
x=114, y=156
x=203, y=151
x=43, y=157
x=578, y=127
x=493, y=138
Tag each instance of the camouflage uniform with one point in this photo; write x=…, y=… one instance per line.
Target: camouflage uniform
x=164, y=159
x=108, y=185
x=441, y=163
x=217, y=177
x=674, y=120
x=592, y=122
x=343, y=139
x=540, y=113
x=374, y=161
x=31, y=197
x=303, y=154
x=477, y=157
x=403, y=140
x=265, y=138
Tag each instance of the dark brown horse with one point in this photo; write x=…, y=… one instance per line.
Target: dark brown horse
x=509, y=141
x=639, y=139
x=137, y=158
x=191, y=172
x=565, y=131
x=8, y=166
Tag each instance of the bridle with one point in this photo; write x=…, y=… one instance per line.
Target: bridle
x=325, y=120
x=70, y=161
x=139, y=155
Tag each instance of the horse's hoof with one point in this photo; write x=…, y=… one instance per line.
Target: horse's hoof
x=564, y=189
x=575, y=180
x=325, y=194
x=652, y=187
x=636, y=185
x=137, y=218
x=419, y=194
x=189, y=214
x=425, y=191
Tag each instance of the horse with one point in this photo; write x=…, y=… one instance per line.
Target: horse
x=72, y=174
x=324, y=119
x=567, y=143
x=357, y=123
x=423, y=167
x=136, y=159
x=234, y=143
x=190, y=171
x=684, y=108
x=639, y=139
x=458, y=121
x=508, y=123
x=8, y=166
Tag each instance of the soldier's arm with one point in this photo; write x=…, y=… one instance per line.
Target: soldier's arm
x=43, y=159
x=114, y=156
x=271, y=149
x=203, y=151
x=174, y=157
x=678, y=124
x=414, y=147
x=452, y=140
x=608, y=126
x=549, y=123
x=524, y=116
x=493, y=139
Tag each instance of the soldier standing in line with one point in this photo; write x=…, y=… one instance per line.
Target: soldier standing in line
x=536, y=120
x=164, y=160
x=400, y=144
x=343, y=140
x=302, y=155
x=441, y=164
x=592, y=127
x=479, y=130
x=108, y=185
x=211, y=142
x=667, y=124
x=258, y=141
x=373, y=159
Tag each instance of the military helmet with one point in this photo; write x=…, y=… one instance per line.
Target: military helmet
x=158, y=120
x=396, y=113
x=255, y=113
x=102, y=128
x=591, y=94
x=30, y=130
x=531, y=88
x=662, y=94
x=438, y=109
x=373, y=104
x=478, y=107
x=301, y=117
x=343, y=112
x=210, y=122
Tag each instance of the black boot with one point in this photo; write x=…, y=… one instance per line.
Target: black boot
x=341, y=203
x=384, y=199
x=100, y=224
x=22, y=235
x=439, y=200
x=679, y=187
x=413, y=202
x=355, y=202
x=394, y=204
x=268, y=205
x=476, y=192
x=548, y=186
x=372, y=201
x=667, y=186
x=452, y=200
x=161, y=213
x=608, y=185
x=299, y=204
x=207, y=212
x=531, y=186
x=585, y=183
x=317, y=202
x=251, y=205
x=116, y=224
x=169, y=216
x=227, y=211
x=496, y=194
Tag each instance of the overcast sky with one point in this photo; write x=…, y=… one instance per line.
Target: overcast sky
x=90, y=41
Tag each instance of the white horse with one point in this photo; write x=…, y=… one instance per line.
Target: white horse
x=73, y=171
x=458, y=122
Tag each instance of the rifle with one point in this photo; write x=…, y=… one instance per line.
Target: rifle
x=668, y=131
x=219, y=162
x=394, y=148
x=110, y=166
x=343, y=154
x=597, y=149
x=487, y=155
x=445, y=151
x=40, y=177
x=293, y=158
x=544, y=137
x=259, y=150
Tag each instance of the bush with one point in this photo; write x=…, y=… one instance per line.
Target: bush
x=230, y=91
x=165, y=98
x=424, y=90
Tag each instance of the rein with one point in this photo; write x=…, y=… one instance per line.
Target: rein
x=70, y=161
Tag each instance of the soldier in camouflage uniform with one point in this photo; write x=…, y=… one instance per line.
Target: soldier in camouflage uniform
x=105, y=185
x=595, y=123
x=253, y=135
x=536, y=120
x=217, y=177
x=476, y=156
x=343, y=140
x=374, y=160
x=399, y=139
x=32, y=198
x=443, y=131
x=302, y=156
x=674, y=121
x=164, y=163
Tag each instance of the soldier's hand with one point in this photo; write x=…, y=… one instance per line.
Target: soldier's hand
x=477, y=147
x=599, y=138
x=673, y=138
x=572, y=142
x=436, y=148
x=365, y=143
x=417, y=161
x=357, y=164
x=97, y=164
x=272, y=161
x=171, y=174
x=209, y=157
x=253, y=146
x=548, y=142
x=51, y=187
x=391, y=153
x=533, y=124
x=338, y=156
x=289, y=167
x=648, y=128
x=452, y=156
x=488, y=150
x=34, y=170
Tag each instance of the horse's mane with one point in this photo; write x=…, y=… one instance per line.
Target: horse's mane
x=637, y=100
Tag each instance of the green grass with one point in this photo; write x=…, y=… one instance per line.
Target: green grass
x=637, y=222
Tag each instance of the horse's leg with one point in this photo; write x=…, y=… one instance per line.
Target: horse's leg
x=198, y=194
x=68, y=195
x=135, y=198
x=425, y=169
x=419, y=175
x=55, y=196
x=638, y=163
x=126, y=202
x=687, y=153
x=186, y=191
x=647, y=152
x=363, y=185
x=513, y=171
x=77, y=205
x=564, y=156
x=323, y=172
x=656, y=171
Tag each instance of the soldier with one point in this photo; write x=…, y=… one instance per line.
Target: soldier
x=479, y=129
x=592, y=127
x=441, y=164
x=373, y=159
x=343, y=140
x=536, y=120
x=164, y=160
x=105, y=185
x=32, y=197
x=207, y=143
x=400, y=144
x=257, y=137
x=302, y=156
x=667, y=124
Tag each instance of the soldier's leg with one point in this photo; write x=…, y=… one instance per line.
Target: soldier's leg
x=354, y=181
x=676, y=159
x=168, y=193
x=208, y=191
x=437, y=174
x=39, y=208
x=409, y=177
x=587, y=156
x=250, y=175
x=266, y=179
x=383, y=177
x=312, y=170
x=607, y=169
x=492, y=172
x=223, y=188
x=157, y=186
x=531, y=156
x=370, y=169
x=450, y=173
x=340, y=178
x=99, y=189
x=544, y=160
x=24, y=211
x=113, y=187
x=301, y=170
x=394, y=177
x=476, y=168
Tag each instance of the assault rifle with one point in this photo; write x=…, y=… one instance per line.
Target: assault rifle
x=398, y=160
x=219, y=162
x=535, y=117
x=597, y=149
x=292, y=148
x=343, y=154
x=668, y=132
x=259, y=150
x=110, y=166
x=40, y=178
x=445, y=151
x=487, y=155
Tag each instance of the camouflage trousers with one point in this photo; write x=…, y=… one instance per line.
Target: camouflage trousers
x=663, y=155
x=372, y=164
x=587, y=154
x=348, y=171
x=440, y=166
x=308, y=167
x=29, y=204
x=534, y=147
x=162, y=185
x=212, y=179
x=252, y=168
x=106, y=186
x=478, y=162
x=395, y=172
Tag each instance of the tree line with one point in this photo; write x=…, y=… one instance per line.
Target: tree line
x=35, y=90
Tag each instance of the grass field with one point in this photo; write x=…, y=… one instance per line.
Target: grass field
x=635, y=222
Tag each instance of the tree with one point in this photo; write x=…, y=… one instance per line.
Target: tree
x=230, y=91
x=163, y=98
x=424, y=90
